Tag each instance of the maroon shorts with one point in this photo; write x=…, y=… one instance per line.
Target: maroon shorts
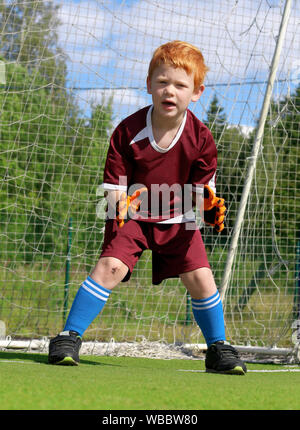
x=175, y=249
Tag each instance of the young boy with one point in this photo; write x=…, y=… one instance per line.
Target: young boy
x=162, y=147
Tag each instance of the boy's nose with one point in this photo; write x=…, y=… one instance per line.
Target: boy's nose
x=169, y=90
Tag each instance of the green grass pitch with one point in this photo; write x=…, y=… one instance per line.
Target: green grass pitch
x=27, y=382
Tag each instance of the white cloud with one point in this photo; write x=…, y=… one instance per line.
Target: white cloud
x=125, y=96
x=83, y=25
x=110, y=44
x=237, y=38
x=124, y=101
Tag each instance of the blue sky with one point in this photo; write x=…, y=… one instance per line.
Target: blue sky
x=109, y=44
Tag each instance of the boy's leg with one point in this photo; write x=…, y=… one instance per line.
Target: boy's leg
x=88, y=303
x=206, y=303
x=120, y=251
x=109, y=272
x=94, y=292
x=208, y=313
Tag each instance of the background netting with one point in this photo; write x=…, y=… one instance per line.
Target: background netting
x=69, y=72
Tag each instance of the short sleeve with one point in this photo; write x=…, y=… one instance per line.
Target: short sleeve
x=118, y=166
x=204, y=167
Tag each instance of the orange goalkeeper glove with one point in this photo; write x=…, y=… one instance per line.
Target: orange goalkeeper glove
x=214, y=209
x=127, y=203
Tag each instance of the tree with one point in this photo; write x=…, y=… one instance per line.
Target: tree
x=29, y=36
x=89, y=148
x=216, y=118
x=33, y=145
x=52, y=156
x=51, y=166
x=276, y=197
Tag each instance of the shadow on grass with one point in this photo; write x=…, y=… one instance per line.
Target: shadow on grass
x=42, y=358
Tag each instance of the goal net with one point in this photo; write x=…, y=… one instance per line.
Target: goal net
x=69, y=72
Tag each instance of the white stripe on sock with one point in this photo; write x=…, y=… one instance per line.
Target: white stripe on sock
x=101, y=291
x=201, y=306
x=208, y=300
x=104, y=299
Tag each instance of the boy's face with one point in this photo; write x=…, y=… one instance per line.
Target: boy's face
x=172, y=90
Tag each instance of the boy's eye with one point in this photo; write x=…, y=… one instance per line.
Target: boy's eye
x=181, y=85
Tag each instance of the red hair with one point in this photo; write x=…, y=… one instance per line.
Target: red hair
x=180, y=55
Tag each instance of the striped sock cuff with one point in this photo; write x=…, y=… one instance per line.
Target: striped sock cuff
x=95, y=289
x=209, y=302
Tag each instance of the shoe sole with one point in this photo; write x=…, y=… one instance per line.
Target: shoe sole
x=238, y=370
x=67, y=361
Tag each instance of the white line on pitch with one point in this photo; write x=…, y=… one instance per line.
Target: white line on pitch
x=19, y=361
x=252, y=370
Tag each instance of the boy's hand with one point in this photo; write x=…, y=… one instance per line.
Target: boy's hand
x=214, y=209
x=127, y=203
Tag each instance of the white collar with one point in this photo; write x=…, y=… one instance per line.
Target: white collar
x=151, y=137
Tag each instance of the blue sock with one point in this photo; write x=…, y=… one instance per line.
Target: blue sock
x=88, y=303
x=208, y=314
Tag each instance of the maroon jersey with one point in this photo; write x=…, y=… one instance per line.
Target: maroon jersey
x=135, y=160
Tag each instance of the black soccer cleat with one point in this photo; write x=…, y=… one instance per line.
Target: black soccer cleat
x=64, y=349
x=224, y=358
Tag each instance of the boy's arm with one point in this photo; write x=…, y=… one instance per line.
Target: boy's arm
x=214, y=209
x=119, y=203
x=112, y=198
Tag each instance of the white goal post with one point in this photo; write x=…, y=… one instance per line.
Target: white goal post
x=69, y=72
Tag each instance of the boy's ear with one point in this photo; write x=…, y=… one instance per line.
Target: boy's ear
x=148, y=85
x=198, y=93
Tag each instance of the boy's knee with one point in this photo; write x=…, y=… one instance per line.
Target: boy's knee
x=109, y=271
x=111, y=264
x=200, y=282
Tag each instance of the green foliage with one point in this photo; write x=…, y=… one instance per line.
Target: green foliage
x=30, y=35
x=216, y=119
x=51, y=157
x=276, y=180
x=51, y=164
x=270, y=229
